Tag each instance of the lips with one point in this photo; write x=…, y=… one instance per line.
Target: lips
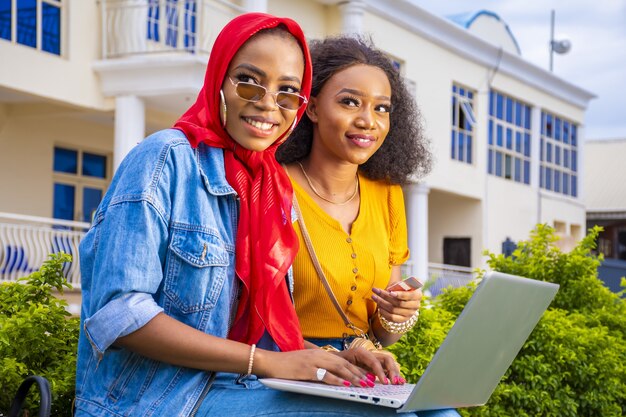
x=363, y=141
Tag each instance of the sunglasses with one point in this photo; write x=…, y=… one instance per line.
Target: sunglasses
x=254, y=92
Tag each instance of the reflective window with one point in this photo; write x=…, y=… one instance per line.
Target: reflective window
x=509, y=124
x=558, y=154
x=38, y=23
x=463, y=121
x=77, y=192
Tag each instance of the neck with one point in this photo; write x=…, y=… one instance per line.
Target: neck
x=331, y=183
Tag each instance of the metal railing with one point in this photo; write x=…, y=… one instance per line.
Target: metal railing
x=26, y=241
x=137, y=27
x=443, y=276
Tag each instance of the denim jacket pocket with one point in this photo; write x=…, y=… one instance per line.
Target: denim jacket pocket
x=196, y=269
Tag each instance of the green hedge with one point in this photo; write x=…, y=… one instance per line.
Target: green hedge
x=573, y=364
x=38, y=337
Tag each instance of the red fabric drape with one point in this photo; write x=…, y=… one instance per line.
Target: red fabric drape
x=266, y=242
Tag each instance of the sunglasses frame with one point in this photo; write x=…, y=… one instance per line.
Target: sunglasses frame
x=303, y=99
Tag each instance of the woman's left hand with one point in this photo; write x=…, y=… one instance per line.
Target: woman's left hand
x=380, y=365
x=397, y=306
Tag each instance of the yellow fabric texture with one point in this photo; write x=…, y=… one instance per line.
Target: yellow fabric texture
x=353, y=264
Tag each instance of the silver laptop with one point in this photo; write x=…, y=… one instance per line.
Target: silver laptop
x=472, y=359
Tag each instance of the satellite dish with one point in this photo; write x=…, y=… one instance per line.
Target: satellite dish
x=561, y=47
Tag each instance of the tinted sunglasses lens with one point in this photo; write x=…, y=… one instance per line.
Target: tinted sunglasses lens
x=250, y=92
x=289, y=101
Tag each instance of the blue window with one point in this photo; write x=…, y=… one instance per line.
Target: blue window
x=463, y=121
x=80, y=179
x=38, y=23
x=173, y=22
x=63, y=201
x=509, y=121
x=65, y=160
x=558, y=155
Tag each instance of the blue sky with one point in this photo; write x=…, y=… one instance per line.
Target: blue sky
x=596, y=62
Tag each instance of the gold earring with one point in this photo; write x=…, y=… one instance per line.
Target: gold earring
x=222, y=108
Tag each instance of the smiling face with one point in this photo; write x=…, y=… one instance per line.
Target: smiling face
x=350, y=114
x=275, y=61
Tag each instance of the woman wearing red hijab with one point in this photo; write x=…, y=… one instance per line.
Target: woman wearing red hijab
x=185, y=270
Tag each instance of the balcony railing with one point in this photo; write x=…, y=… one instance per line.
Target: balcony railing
x=136, y=27
x=26, y=241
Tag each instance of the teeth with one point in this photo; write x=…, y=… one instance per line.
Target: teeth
x=259, y=125
x=363, y=140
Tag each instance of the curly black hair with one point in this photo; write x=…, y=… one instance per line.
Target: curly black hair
x=405, y=152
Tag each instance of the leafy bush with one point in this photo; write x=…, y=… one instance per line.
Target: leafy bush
x=38, y=337
x=573, y=363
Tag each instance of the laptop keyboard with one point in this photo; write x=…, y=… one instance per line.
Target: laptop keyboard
x=380, y=390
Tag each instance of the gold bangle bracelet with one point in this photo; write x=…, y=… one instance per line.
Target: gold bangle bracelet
x=398, y=328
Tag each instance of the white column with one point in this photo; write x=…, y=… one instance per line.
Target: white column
x=352, y=13
x=417, y=219
x=130, y=127
x=535, y=162
x=255, y=5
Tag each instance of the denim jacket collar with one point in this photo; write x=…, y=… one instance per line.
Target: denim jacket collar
x=211, y=162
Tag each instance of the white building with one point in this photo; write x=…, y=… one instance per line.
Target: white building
x=81, y=82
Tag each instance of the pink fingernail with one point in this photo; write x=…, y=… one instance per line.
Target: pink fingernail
x=386, y=381
x=363, y=383
x=370, y=384
x=346, y=383
x=371, y=377
x=395, y=380
x=402, y=380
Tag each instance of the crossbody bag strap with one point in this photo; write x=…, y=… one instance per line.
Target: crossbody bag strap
x=320, y=272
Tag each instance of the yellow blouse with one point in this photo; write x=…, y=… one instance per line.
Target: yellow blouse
x=353, y=263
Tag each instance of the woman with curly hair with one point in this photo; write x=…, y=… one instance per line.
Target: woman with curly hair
x=359, y=141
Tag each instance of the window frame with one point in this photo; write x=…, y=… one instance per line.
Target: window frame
x=463, y=101
x=80, y=181
x=559, y=164
x=509, y=138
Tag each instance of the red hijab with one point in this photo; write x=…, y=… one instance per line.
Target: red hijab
x=266, y=241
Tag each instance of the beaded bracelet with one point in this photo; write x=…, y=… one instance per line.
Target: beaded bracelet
x=398, y=328
x=251, y=360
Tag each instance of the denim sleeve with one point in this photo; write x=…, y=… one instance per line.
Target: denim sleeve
x=118, y=318
x=126, y=270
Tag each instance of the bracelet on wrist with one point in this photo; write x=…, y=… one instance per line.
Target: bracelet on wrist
x=398, y=328
x=251, y=360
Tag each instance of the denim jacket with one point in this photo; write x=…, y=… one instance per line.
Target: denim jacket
x=163, y=240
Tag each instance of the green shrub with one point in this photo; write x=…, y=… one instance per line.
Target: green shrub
x=38, y=337
x=573, y=363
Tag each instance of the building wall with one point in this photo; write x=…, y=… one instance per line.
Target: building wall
x=68, y=78
x=27, y=140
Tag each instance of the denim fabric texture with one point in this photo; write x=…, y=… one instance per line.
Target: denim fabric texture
x=162, y=241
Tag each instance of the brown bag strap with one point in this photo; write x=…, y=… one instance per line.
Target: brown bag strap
x=320, y=272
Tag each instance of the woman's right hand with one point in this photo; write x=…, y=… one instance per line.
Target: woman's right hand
x=303, y=365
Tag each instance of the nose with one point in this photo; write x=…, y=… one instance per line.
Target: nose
x=366, y=118
x=268, y=102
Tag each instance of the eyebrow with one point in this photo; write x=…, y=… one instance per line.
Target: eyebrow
x=261, y=73
x=361, y=94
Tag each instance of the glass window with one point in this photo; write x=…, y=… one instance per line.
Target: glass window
x=38, y=23
x=94, y=165
x=65, y=160
x=63, y=200
x=77, y=193
x=561, y=154
x=51, y=29
x=508, y=123
x=463, y=121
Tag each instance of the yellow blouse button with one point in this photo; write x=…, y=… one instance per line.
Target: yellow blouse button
x=349, y=302
x=349, y=240
x=355, y=270
x=353, y=288
x=353, y=255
